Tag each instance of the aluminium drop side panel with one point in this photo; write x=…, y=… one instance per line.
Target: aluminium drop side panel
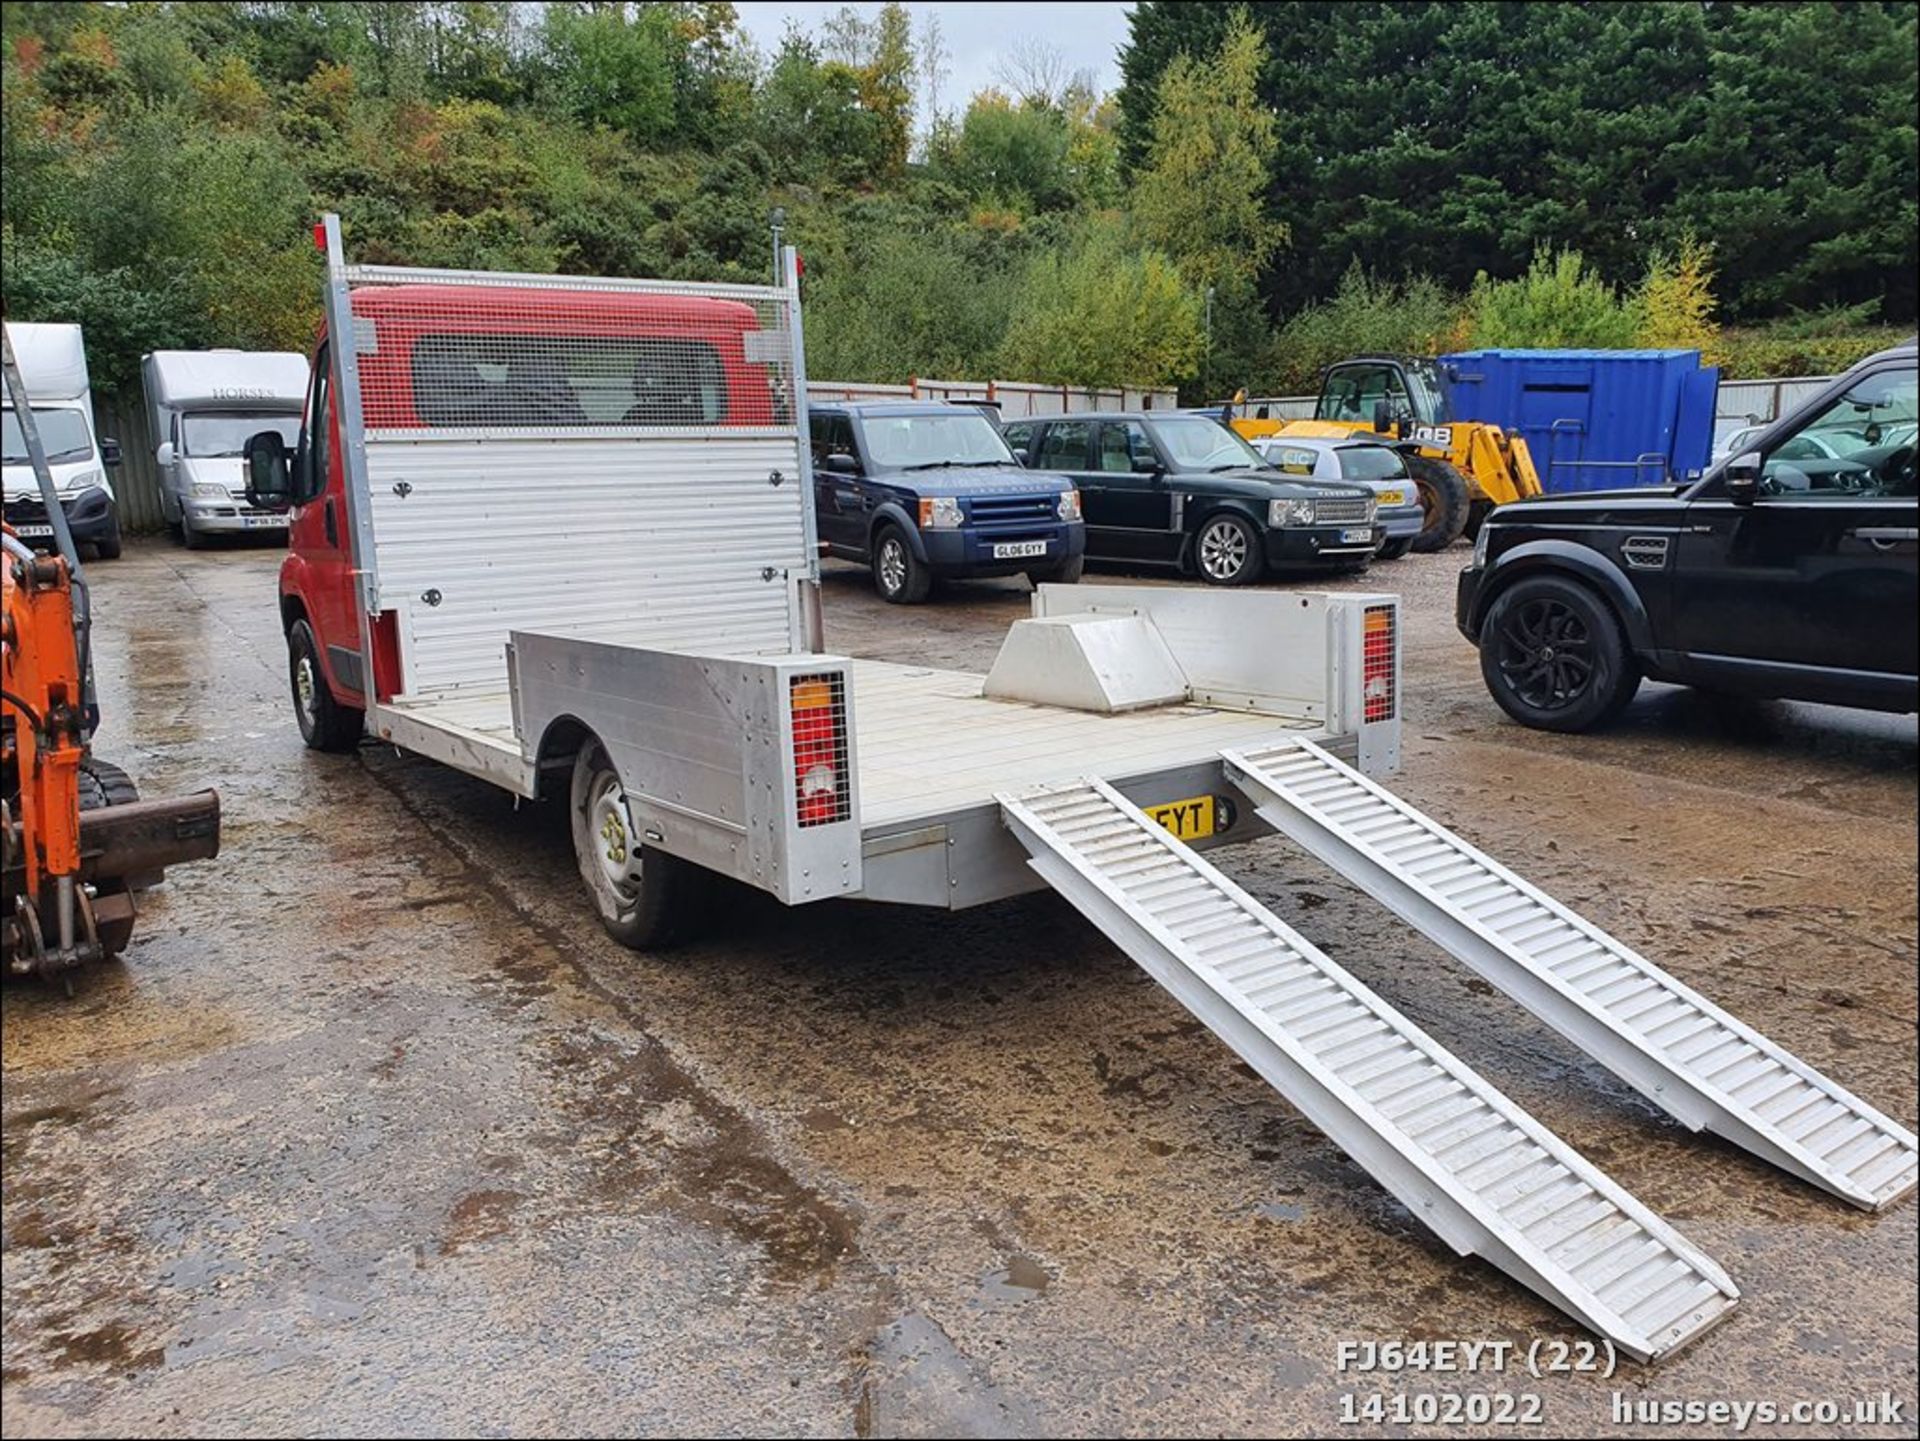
x=704, y=747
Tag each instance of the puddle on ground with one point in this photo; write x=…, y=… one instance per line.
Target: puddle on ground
x=1021, y=1279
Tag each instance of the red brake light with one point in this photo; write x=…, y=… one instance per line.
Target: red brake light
x=1376, y=664
x=821, y=786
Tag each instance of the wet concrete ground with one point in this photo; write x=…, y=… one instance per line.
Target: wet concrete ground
x=373, y=1132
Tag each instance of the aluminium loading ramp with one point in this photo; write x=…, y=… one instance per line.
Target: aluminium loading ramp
x=1486, y=1176
x=1674, y=1046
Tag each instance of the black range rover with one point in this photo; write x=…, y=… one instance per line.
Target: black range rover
x=1787, y=570
x=1183, y=490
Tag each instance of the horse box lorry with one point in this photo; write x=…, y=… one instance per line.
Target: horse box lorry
x=558, y=533
x=53, y=367
x=203, y=406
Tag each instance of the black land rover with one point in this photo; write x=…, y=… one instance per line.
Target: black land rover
x=1171, y=489
x=1788, y=570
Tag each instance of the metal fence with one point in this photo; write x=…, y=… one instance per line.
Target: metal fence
x=1016, y=398
x=1740, y=402
x=136, y=480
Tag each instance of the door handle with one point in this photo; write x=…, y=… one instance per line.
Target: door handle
x=1886, y=534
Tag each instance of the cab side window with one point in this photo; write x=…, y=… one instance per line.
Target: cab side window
x=1125, y=448
x=831, y=433
x=315, y=450
x=1019, y=437
x=1353, y=393
x=1861, y=445
x=1066, y=446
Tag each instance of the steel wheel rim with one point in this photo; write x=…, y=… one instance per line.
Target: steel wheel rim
x=1223, y=550
x=893, y=564
x=616, y=856
x=1547, y=655
x=306, y=689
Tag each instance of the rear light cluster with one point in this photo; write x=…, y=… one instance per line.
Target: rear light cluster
x=821, y=785
x=1376, y=663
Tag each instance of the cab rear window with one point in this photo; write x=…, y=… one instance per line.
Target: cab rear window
x=566, y=381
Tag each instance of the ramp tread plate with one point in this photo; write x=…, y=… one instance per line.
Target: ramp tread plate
x=1461, y=1156
x=1679, y=1049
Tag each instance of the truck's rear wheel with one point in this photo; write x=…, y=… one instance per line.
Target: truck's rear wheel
x=1445, y=498
x=645, y=898
x=325, y=724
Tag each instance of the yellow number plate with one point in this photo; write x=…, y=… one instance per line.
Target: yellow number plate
x=1193, y=819
x=1393, y=497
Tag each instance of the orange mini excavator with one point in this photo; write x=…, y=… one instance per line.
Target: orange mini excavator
x=78, y=841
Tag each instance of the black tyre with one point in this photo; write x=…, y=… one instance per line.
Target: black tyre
x=1553, y=655
x=108, y=546
x=1446, y=499
x=190, y=537
x=1068, y=572
x=325, y=724
x=1395, y=549
x=645, y=898
x=898, y=574
x=104, y=784
x=1226, y=551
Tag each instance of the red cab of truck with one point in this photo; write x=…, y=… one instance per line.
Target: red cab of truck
x=438, y=358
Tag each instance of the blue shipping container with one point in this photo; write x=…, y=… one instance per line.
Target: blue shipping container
x=1594, y=419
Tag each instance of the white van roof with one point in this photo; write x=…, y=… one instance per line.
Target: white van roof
x=53, y=359
x=227, y=379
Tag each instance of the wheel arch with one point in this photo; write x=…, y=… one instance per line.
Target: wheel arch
x=560, y=745
x=1564, y=560
x=893, y=513
x=1216, y=505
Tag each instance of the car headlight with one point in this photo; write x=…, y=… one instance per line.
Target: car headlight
x=941, y=513
x=1290, y=512
x=209, y=490
x=85, y=480
x=1480, y=545
x=1069, y=507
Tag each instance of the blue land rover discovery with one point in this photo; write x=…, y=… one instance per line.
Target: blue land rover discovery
x=923, y=491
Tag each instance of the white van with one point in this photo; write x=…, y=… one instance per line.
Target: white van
x=53, y=367
x=204, y=404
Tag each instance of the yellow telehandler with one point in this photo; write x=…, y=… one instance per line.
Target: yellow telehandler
x=1462, y=468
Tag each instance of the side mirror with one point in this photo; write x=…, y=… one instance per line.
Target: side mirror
x=840, y=463
x=1149, y=467
x=1021, y=454
x=1743, y=478
x=164, y=456
x=1382, y=416
x=109, y=450
x=269, y=484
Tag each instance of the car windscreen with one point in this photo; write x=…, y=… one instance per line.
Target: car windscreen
x=566, y=381
x=909, y=442
x=64, y=435
x=205, y=434
x=1197, y=444
x=1371, y=462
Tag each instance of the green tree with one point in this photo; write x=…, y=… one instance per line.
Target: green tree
x=1560, y=301
x=1201, y=196
x=1101, y=313
x=1012, y=154
x=1675, y=301
x=611, y=70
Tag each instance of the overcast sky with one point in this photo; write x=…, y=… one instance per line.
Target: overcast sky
x=1088, y=35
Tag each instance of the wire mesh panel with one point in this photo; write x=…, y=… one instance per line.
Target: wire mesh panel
x=611, y=459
